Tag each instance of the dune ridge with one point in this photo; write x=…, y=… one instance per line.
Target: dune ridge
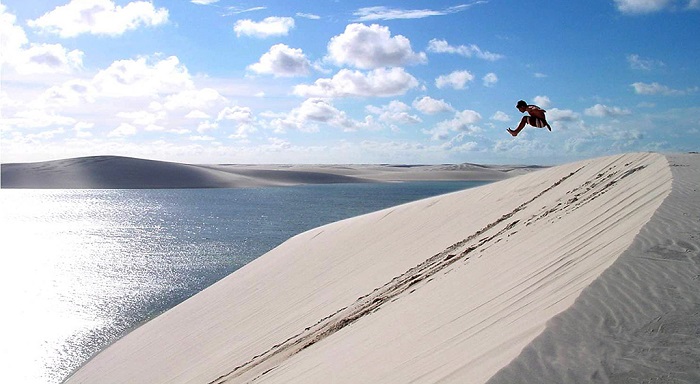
x=640, y=321
x=115, y=172
x=456, y=288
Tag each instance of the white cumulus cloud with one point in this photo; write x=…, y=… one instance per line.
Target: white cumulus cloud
x=49, y=58
x=543, y=101
x=380, y=82
x=315, y=111
x=29, y=58
x=490, y=79
x=394, y=112
x=70, y=93
x=134, y=78
x=456, y=80
x=463, y=121
x=241, y=119
x=564, y=115
x=370, y=47
x=601, y=110
x=236, y=113
x=99, y=17
x=270, y=26
x=282, y=61
x=500, y=116
x=431, y=106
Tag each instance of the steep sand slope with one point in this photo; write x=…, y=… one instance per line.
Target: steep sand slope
x=640, y=321
x=449, y=288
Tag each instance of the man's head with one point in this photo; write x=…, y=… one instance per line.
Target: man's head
x=521, y=105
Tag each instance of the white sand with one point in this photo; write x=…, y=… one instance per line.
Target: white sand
x=460, y=288
x=640, y=321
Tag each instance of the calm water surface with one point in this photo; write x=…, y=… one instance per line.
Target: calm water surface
x=80, y=268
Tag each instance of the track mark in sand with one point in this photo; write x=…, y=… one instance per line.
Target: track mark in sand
x=389, y=292
x=585, y=193
x=424, y=272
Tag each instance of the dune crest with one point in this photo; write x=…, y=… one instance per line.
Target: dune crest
x=116, y=172
x=638, y=322
x=450, y=288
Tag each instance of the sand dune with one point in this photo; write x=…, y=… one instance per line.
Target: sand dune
x=640, y=321
x=105, y=172
x=585, y=272
x=113, y=172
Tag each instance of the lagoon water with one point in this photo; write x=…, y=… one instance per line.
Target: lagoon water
x=80, y=268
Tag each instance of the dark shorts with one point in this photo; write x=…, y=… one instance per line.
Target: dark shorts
x=535, y=122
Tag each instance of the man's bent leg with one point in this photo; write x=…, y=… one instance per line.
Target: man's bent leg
x=523, y=121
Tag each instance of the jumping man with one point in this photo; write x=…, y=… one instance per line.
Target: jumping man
x=536, y=117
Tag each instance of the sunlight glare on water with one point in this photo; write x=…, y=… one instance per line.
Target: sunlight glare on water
x=74, y=262
x=81, y=268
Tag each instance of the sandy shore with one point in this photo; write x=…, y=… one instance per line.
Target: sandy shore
x=107, y=172
x=586, y=272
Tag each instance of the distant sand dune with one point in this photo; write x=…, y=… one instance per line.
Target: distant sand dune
x=585, y=272
x=113, y=172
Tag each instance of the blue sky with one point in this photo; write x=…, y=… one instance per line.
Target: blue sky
x=428, y=82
